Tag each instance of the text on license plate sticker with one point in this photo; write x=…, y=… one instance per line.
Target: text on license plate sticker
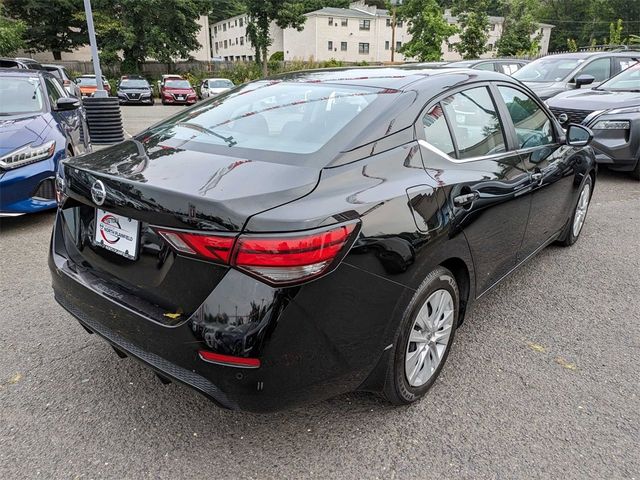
x=117, y=233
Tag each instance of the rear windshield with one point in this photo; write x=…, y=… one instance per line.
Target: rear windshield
x=19, y=95
x=547, y=69
x=275, y=116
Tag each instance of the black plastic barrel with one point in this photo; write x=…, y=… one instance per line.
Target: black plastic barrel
x=104, y=119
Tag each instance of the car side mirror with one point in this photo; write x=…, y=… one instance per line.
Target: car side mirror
x=578, y=135
x=67, y=103
x=584, y=79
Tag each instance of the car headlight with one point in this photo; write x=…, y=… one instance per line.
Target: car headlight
x=618, y=111
x=27, y=154
x=612, y=125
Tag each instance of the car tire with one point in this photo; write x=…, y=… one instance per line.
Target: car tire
x=635, y=173
x=432, y=315
x=579, y=215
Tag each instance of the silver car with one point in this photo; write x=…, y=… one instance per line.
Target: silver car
x=210, y=87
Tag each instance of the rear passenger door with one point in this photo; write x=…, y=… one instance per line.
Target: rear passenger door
x=552, y=171
x=467, y=150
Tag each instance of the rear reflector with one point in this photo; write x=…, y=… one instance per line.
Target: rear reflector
x=278, y=259
x=230, y=360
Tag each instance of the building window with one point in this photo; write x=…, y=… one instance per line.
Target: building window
x=386, y=45
x=398, y=45
x=388, y=22
x=216, y=47
x=490, y=46
x=344, y=22
x=343, y=46
x=241, y=40
x=215, y=29
x=399, y=24
x=330, y=20
x=365, y=25
x=241, y=21
x=330, y=45
x=224, y=27
x=450, y=48
x=225, y=44
x=363, y=48
x=235, y=23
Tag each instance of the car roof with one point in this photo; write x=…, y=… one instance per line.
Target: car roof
x=397, y=77
x=486, y=60
x=574, y=55
x=22, y=72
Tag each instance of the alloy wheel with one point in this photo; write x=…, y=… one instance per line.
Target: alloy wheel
x=429, y=338
x=581, y=210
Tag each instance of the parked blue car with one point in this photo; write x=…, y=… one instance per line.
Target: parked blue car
x=39, y=125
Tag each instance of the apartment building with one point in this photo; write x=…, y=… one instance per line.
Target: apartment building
x=229, y=41
x=355, y=34
x=358, y=33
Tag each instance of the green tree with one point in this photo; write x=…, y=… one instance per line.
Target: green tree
x=51, y=25
x=285, y=13
x=11, y=35
x=615, y=32
x=222, y=9
x=474, y=32
x=518, y=29
x=572, y=46
x=428, y=29
x=134, y=30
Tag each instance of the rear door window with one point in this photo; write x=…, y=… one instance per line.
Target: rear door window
x=436, y=130
x=475, y=124
x=533, y=126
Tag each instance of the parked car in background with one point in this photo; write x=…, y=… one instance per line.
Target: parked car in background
x=210, y=87
x=548, y=76
x=135, y=89
x=62, y=74
x=317, y=232
x=177, y=91
x=508, y=66
x=39, y=125
x=25, y=63
x=88, y=85
x=612, y=111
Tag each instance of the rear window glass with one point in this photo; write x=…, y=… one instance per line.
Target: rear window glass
x=220, y=83
x=177, y=84
x=276, y=116
x=90, y=81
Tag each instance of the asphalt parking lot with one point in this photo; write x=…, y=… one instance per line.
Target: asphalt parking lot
x=542, y=382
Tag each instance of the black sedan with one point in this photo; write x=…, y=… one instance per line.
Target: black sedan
x=612, y=110
x=315, y=233
x=134, y=89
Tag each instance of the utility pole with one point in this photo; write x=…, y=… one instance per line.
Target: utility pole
x=100, y=91
x=393, y=31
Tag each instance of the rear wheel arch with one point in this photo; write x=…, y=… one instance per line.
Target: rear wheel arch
x=461, y=273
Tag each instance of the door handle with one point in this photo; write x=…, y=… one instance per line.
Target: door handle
x=466, y=199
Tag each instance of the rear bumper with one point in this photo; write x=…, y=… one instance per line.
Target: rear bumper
x=310, y=341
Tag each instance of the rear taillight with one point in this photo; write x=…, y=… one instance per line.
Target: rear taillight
x=212, y=247
x=277, y=259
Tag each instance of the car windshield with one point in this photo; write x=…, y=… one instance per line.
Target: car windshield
x=220, y=83
x=177, y=84
x=134, y=83
x=275, y=116
x=88, y=81
x=547, y=69
x=627, y=80
x=19, y=95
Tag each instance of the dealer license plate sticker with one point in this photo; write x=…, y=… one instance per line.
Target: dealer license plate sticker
x=117, y=234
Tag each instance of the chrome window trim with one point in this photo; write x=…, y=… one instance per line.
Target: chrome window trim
x=494, y=156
